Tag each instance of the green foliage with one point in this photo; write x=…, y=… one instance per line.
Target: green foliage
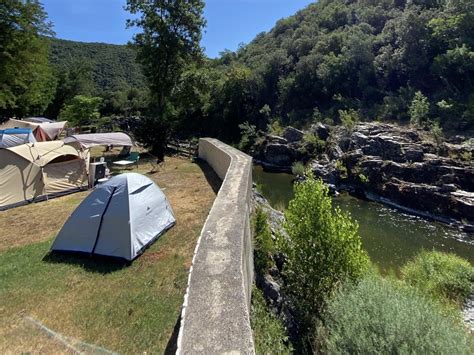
x=298, y=168
x=437, y=133
x=263, y=243
x=312, y=144
x=268, y=331
x=370, y=57
x=363, y=178
x=342, y=169
x=419, y=109
x=466, y=156
x=440, y=275
x=275, y=128
x=323, y=249
x=96, y=67
x=248, y=138
x=349, y=119
x=81, y=111
x=167, y=45
x=26, y=79
x=378, y=316
x=168, y=41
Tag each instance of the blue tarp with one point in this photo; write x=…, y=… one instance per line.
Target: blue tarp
x=12, y=137
x=16, y=131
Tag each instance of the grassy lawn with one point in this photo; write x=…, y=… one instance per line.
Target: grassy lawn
x=127, y=309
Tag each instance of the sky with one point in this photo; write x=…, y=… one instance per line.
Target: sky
x=229, y=22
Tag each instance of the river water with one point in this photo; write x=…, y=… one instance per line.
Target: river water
x=390, y=237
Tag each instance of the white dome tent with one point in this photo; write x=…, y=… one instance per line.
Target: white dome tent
x=120, y=218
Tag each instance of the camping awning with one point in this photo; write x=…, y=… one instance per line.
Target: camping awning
x=93, y=139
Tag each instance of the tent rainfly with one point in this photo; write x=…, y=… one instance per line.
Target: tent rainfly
x=43, y=131
x=38, y=132
x=12, y=137
x=38, y=119
x=120, y=218
x=30, y=172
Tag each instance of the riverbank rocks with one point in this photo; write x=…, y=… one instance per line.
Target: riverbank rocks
x=401, y=165
x=292, y=134
x=320, y=130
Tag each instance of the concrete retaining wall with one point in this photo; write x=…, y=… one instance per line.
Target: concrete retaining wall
x=215, y=315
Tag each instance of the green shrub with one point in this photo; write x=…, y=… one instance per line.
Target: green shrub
x=349, y=118
x=379, y=316
x=342, y=169
x=419, y=109
x=466, y=156
x=437, y=133
x=298, y=168
x=268, y=331
x=440, y=275
x=248, y=138
x=275, y=128
x=313, y=144
x=323, y=249
x=263, y=243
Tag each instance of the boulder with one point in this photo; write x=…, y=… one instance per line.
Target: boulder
x=328, y=173
x=413, y=153
x=271, y=289
x=359, y=139
x=292, y=134
x=279, y=154
x=276, y=139
x=320, y=130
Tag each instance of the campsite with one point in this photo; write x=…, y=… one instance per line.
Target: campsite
x=86, y=297
x=237, y=177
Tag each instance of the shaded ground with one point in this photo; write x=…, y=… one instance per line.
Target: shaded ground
x=128, y=309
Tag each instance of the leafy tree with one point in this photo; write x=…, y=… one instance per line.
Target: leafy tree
x=369, y=56
x=419, y=109
x=323, y=250
x=71, y=81
x=168, y=43
x=26, y=79
x=81, y=111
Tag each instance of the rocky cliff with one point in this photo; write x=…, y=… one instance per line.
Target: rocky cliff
x=403, y=166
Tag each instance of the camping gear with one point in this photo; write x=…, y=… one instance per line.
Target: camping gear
x=120, y=218
x=38, y=119
x=53, y=129
x=46, y=131
x=40, y=135
x=96, y=172
x=133, y=158
x=86, y=141
x=12, y=137
x=31, y=172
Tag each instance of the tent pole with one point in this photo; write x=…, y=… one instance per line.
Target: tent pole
x=102, y=220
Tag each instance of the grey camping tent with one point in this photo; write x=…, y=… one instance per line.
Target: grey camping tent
x=120, y=218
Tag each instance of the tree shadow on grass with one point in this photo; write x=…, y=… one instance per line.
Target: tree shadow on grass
x=213, y=180
x=91, y=263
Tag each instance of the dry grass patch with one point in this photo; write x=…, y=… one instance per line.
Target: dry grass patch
x=129, y=309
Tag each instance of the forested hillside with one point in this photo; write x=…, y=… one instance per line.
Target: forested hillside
x=370, y=56
x=112, y=66
x=100, y=70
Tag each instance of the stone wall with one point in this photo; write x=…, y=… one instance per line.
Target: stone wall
x=215, y=315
